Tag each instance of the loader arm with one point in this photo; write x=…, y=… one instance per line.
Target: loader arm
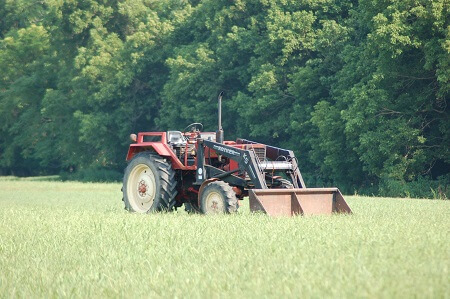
x=246, y=160
x=274, y=153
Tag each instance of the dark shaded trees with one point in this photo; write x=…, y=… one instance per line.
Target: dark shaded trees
x=358, y=88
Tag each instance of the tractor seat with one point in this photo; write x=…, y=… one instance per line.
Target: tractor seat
x=175, y=138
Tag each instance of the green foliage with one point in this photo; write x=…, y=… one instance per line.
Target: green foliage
x=423, y=187
x=358, y=89
x=93, y=174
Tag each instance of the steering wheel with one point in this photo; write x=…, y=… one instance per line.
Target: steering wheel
x=192, y=126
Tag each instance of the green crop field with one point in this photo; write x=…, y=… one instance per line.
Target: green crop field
x=74, y=239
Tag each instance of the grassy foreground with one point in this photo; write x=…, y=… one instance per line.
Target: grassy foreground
x=75, y=239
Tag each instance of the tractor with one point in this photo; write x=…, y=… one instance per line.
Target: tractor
x=209, y=175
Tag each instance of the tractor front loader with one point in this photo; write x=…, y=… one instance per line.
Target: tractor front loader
x=210, y=175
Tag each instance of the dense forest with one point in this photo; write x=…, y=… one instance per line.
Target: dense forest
x=358, y=89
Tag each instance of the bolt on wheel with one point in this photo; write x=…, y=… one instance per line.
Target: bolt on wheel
x=215, y=203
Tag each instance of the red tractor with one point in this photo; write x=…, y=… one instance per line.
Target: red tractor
x=209, y=175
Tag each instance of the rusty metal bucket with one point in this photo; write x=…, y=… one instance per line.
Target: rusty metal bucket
x=290, y=202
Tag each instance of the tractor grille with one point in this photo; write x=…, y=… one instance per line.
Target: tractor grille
x=260, y=153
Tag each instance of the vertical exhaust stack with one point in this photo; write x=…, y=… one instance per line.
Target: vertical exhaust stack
x=219, y=132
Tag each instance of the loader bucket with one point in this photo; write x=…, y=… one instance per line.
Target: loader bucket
x=290, y=202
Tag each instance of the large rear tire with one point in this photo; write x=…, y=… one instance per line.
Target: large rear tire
x=218, y=197
x=149, y=184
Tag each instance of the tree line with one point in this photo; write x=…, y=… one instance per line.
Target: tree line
x=358, y=89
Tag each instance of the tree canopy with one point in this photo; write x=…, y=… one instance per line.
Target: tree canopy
x=358, y=89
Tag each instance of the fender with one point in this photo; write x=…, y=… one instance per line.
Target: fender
x=150, y=141
x=159, y=148
x=158, y=144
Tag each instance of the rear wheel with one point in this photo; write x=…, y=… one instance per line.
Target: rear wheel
x=218, y=197
x=149, y=184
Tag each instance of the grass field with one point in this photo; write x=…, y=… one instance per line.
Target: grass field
x=75, y=239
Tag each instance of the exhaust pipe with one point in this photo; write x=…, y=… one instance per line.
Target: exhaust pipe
x=219, y=132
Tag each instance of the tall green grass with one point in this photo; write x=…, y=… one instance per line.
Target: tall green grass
x=74, y=239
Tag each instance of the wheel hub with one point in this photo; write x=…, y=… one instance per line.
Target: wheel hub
x=142, y=188
x=214, y=202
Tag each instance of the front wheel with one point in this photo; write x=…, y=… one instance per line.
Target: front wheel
x=149, y=184
x=218, y=197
